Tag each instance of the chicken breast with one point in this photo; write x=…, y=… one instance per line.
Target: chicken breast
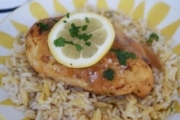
x=135, y=78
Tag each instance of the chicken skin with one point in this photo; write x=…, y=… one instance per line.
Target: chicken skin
x=135, y=77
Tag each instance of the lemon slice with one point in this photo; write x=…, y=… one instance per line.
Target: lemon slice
x=81, y=39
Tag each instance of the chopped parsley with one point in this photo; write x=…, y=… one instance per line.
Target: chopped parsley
x=67, y=15
x=152, y=37
x=43, y=26
x=84, y=36
x=87, y=20
x=75, y=32
x=122, y=56
x=60, y=42
x=78, y=47
x=84, y=27
x=108, y=74
x=88, y=43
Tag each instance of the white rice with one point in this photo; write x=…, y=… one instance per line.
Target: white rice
x=46, y=99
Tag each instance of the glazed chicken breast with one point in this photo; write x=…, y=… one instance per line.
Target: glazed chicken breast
x=136, y=77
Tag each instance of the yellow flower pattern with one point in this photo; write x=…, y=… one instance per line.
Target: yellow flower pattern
x=7, y=102
x=3, y=59
x=157, y=13
x=171, y=29
x=102, y=4
x=139, y=11
x=79, y=3
x=6, y=40
x=1, y=75
x=38, y=11
x=2, y=117
x=20, y=27
x=59, y=7
x=126, y=6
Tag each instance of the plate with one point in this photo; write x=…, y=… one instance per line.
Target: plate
x=157, y=13
x=8, y=6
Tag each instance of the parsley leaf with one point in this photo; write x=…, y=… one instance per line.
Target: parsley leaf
x=87, y=37
x=84, y=27
x=74, y=30
x=67, y=15
x=122, y=56
x=88, y=43
x=130, y=55
x=69, y=42
x=59, y=42
x=87, y=20
x=108, y=74
x=153, y=36
x=84, y=36
x=78, y=47
x=43, y=26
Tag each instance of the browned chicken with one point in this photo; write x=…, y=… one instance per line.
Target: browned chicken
x=135, y=78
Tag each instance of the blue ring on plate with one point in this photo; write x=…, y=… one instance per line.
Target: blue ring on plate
x=8, y=9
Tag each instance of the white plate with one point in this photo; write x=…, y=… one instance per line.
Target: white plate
x=159, y=14
x=7, y=6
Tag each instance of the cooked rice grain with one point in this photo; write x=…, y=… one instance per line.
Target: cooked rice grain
x=46, y=99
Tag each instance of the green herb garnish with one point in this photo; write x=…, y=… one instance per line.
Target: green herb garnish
x=65, y=21
x=84, y=36
x=84, y=27
x=60, y=42
x=88, y=43
x=87, y=20
x=67, y=15
x=78, y=47
x=152, y=37
x=43, y=26
x=108, y=74
x=122, y=56
x=75, y=32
